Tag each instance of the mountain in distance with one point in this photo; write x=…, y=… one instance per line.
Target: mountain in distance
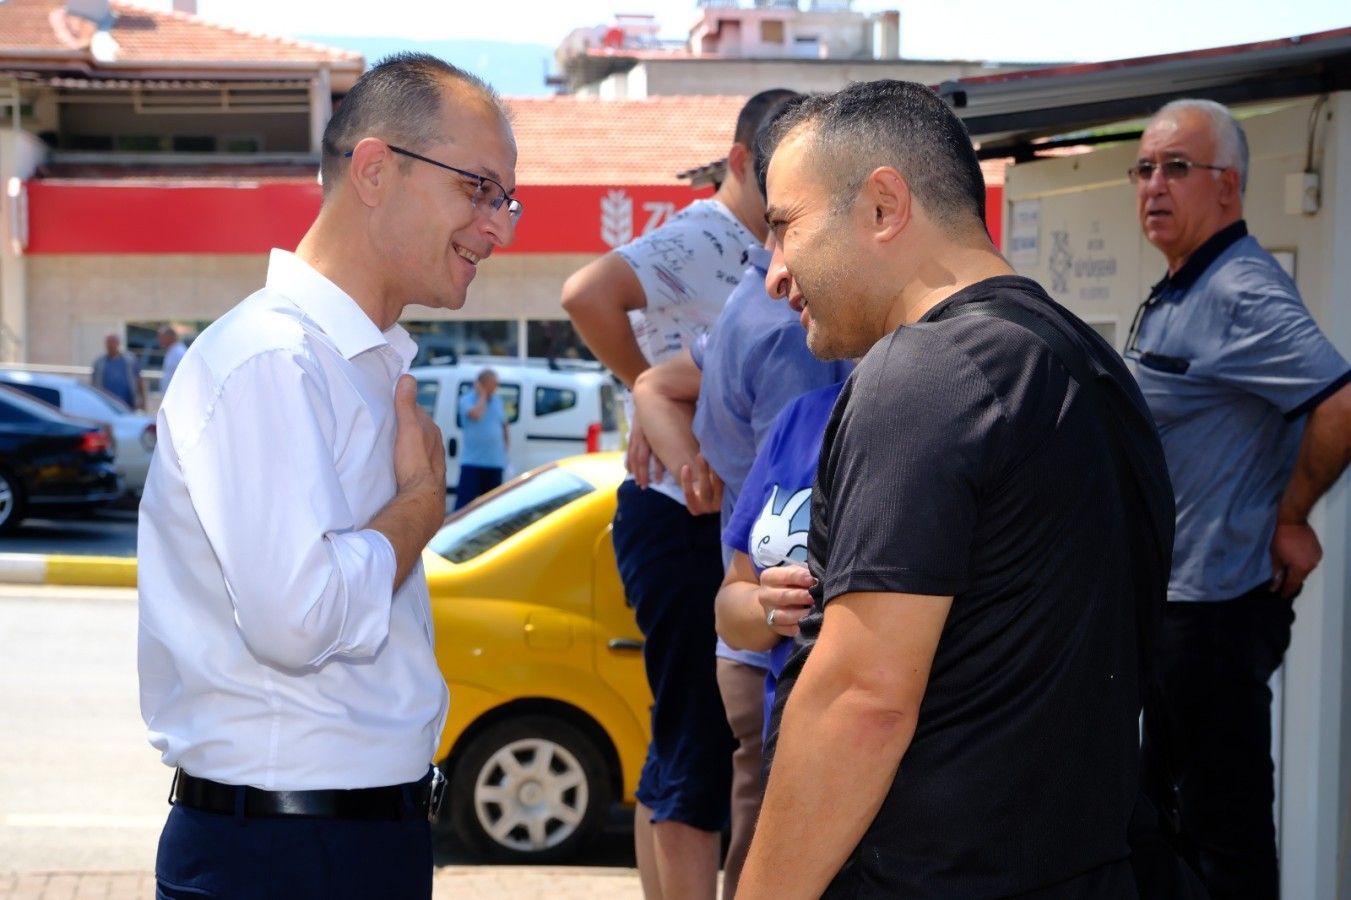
x=515, y=70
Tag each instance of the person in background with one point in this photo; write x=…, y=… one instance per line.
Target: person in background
x=485, y=439
x=174, y=348
x=286, y=656
x=1253, y=404
x=119, y=373
x=675, y=281
x=708, y=409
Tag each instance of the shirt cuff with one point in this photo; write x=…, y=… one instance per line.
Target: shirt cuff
x=366, y=565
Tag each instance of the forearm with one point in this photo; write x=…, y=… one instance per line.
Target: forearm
x=608, y=334
x=404, y=522
x=815, y=813
x=669, y=427
x=741, y=619
x=1324, y=453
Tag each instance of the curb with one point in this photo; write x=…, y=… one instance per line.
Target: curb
x=82, y=571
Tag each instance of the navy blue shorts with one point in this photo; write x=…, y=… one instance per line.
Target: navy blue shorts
x=671, y=565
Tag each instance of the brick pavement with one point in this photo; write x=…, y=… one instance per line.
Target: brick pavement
x=512, y=882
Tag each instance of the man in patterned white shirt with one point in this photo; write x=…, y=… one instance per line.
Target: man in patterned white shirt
x=636, y=307
x=286, y=659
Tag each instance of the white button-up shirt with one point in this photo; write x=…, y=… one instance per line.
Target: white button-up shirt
x=274, y=651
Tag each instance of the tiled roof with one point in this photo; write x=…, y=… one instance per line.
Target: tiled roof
x=583, y=140
x=30, y=28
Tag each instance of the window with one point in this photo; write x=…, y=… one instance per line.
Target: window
x=238, y=144
x=483, y=525
x=511, y=401
x=553, y=400
x=607, y=408
x=554, y=339
x=427, y=394
x=140, y=143
x=771, y=31
x=193, y=143
x=94, y=403
x=45, y=394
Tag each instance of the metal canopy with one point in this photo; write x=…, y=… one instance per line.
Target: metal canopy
x=1005, y=113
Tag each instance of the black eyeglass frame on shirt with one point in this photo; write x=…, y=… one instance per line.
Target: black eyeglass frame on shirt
x=514, y=207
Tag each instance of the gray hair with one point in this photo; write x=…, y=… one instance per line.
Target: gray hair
x=901, y=124
x=398, y=100
x=1231, y=144
x=484, y=375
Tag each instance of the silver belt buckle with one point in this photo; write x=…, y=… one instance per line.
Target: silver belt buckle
x=436, y=794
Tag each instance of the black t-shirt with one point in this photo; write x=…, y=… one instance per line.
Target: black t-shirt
x=961, y=459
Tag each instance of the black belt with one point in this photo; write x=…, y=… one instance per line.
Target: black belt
x=416, y=800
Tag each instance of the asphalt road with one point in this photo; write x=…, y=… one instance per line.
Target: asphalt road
x=106, y=532
x=80, y=788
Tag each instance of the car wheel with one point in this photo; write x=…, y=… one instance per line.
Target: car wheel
x=11, y=502
x=532, y=789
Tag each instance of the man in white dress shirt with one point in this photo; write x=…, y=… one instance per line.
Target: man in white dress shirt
x=286, y=659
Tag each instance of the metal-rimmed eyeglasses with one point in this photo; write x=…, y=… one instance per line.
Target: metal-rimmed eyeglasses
x=488, y=190
x=1173, y=169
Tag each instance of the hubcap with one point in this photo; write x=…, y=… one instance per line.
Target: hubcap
x=6, y=500
x=531, y=795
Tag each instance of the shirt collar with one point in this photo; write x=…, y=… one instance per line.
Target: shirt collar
x=759, y=257
x=329, y=307
x=1200, y=260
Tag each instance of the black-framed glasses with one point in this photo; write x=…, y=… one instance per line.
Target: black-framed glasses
x=488, y=191
x=1173, y=169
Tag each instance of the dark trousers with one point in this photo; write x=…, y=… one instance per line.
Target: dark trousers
x=204, y=854
x=1207, y=738
x=474, y=482
x=670, y=563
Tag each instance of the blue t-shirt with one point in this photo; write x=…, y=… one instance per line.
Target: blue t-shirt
x=1230, y=361
x=483, y=442
x=118, y=376
x=773, y=514
x=754, y=362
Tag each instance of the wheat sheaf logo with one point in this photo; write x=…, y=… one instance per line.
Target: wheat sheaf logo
x=616, y=218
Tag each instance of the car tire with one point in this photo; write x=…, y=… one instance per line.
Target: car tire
x=532, y=789
x=11, y=502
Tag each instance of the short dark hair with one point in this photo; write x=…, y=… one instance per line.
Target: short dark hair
x=756, y=110
x=767, y=138
x=398, y=99
x=901, y=124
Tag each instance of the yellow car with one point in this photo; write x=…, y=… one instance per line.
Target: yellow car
x=549, y=704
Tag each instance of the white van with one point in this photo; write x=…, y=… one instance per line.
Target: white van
x=553, y=411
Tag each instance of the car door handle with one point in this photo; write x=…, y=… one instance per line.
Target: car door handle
x=451, y=446
x=625, y=644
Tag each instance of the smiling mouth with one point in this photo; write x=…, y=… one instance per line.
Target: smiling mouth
x=472, y=257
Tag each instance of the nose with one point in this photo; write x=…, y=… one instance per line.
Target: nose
x=777, y=278
x=497, y=225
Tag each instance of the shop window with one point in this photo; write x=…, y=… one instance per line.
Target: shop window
x=189, y=143
x=555, y=339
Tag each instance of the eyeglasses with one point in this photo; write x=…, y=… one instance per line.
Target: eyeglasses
x=1172, y=169
x=488, y=190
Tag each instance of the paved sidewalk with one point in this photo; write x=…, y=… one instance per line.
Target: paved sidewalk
x=513, y=882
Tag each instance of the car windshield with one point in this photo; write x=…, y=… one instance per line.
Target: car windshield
x=483, y=525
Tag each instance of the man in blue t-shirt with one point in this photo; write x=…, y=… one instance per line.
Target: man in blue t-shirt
x=484, y=439
x=1253, y=405
x=119, y=374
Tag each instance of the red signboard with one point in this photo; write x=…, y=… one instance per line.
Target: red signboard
x=68, y=217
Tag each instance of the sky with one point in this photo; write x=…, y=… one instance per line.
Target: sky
x=996, y=30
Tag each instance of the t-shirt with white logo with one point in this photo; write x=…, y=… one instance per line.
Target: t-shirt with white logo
x=687, y=269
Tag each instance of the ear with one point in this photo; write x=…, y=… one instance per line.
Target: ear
x=370, y=170
x=889, y=203
x=1230, y=195
x=739, y=161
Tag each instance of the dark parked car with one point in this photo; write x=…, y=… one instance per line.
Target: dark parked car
x=50, y=461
